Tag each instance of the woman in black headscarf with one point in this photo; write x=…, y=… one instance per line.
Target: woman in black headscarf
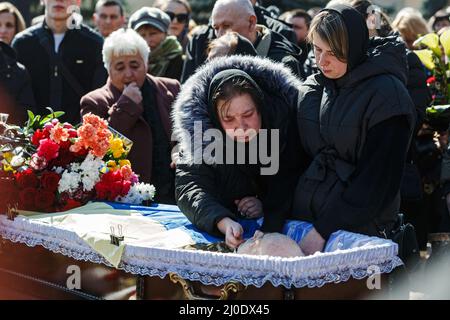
x=355, y=120
x=231, y=94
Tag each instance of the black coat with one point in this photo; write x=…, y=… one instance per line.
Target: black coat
x=357, y=129
x=15, y=87
x=280, y=50
x=263, y=17
x=206, y=192
x=81, y=52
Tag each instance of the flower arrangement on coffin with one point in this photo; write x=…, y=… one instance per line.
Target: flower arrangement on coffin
x=435, y=56
x=49, y=166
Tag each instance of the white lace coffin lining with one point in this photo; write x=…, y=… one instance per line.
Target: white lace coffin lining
x=211, y=268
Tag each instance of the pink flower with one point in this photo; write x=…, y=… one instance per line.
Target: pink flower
x=38, y=163
x=59, y=134
x=48, y=149
x=127, y=173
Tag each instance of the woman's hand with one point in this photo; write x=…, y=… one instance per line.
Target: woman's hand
x=250, y=207
x=133, y=92
x=312, y=243
x=233, y=232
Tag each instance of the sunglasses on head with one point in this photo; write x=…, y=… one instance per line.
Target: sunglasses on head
x=182, y=17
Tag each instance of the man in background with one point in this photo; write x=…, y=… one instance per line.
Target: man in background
x=63, y=57
x=109, y=16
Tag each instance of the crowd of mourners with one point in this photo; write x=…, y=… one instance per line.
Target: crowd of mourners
x=341, y=85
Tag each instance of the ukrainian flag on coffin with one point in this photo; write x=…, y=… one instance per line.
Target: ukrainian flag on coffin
x=162, y=226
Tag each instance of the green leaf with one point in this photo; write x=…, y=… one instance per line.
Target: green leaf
x=50, y=117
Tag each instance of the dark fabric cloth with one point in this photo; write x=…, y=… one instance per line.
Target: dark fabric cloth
x=163, y=178
x=81, y=52
x=339, y=123
x=358, y=34
x=175, y=68
x=206, y=192
x=280, y=50
x=196, y=51
x=245, y=47
x=375, y=183
x=264, y=17
x=417, y=87
x=128, y=118
x=412, y=188
x=16, y=94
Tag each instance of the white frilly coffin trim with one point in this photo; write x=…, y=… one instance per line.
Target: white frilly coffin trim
x=211, y=268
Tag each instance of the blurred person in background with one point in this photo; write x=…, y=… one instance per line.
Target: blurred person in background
x=411, y=25
x=166, y=53
x=108, y=17
x=439, y=20
x=63, y=57
x=11, y=22
x=180, y=13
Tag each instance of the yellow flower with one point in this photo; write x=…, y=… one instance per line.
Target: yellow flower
x=111, y=164
x=426, y=57
x=445, y=41
x=118, y=153
x=431, y=40
x=125, y=162
x=7, y=168
x=116, y=143
x=8, y=156
x=116, y=146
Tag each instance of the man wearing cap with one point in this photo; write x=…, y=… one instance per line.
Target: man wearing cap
x=166, y=53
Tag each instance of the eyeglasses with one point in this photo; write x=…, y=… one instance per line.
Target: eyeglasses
x=181, y=17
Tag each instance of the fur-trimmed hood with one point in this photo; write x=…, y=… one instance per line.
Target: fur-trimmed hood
x=277, y=82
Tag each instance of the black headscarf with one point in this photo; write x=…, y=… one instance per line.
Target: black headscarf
x=218, y=81
x=358, y=34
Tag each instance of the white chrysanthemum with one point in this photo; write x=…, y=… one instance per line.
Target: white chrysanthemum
x=138, y=193
x=90, y=171
x=70, y=181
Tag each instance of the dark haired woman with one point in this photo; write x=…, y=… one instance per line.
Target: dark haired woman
x=238, y=97
x=355, y=120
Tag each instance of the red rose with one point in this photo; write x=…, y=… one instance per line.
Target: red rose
x=27, y=179
x=44, y=200
x=116, y=190
x=126, y=185
x=65, y=144
x=50, y=181
x=102, y=191
x=8, y=193
x=27, y=199
x=64, y=158
x=48, y=149
x=71, y=204
x=39, y=135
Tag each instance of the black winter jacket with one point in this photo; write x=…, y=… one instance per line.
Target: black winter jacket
x=357, y=129
x=206, y=192
x=81, y=52
x=15, y=87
